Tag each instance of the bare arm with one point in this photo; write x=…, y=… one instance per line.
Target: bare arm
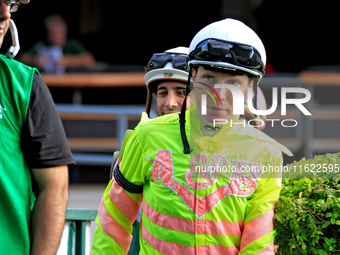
x=49, y=211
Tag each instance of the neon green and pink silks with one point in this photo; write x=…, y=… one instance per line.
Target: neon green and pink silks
x=186, y=208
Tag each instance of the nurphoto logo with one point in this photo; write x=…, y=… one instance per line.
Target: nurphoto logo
x=238, y=103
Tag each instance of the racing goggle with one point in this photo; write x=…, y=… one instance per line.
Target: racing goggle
x=159, y=60
x=222, y=51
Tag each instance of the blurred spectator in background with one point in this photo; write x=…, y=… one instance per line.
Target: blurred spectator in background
x=57, y=52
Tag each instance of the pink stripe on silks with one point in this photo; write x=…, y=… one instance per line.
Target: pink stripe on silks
x=123, y=202
x=188, y=226
x=217, y=249
x=112, y=228
x=175, y=249
x=269, y=250
x=258, y=227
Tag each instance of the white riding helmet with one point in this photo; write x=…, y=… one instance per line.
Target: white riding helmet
x=228, y=44
x=169, y=65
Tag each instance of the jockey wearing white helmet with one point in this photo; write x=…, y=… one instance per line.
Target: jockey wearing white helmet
x=227, y=46
x=166, y=76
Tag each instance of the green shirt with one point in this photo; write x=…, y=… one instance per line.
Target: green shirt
x=17, y=198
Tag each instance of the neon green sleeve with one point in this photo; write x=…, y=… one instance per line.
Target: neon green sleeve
x=258, y=233
x=118, y=208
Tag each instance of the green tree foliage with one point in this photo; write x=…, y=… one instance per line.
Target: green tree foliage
x=307, y=216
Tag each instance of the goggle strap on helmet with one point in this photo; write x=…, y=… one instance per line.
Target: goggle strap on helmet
x=219, y=51
x=160, y=60
x=185, y=142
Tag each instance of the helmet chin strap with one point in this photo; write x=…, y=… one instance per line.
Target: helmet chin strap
x=256, y=81
x=148, y=102
x=185, y=142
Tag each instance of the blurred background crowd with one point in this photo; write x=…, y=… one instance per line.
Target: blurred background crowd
x=296, y=34
x=91, y=36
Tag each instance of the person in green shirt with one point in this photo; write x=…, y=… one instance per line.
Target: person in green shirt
x=34, y=157
x=57, y=52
